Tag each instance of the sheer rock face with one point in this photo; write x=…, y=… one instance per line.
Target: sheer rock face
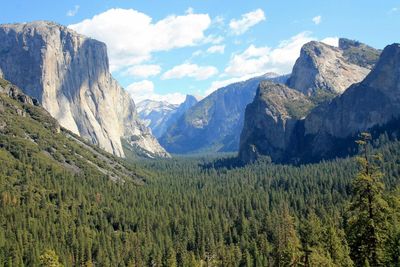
x=329, y=129
x=270, y=121
x=373, y=102
x=69, y=75
x=333, y=69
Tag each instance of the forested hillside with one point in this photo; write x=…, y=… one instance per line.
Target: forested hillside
x=189, y=212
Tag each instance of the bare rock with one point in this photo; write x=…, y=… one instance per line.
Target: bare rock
x=69, y=75
x=324, y=67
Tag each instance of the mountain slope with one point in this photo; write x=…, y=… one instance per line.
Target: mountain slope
x=69, y=74
x=322, y=67
x=214, y=124
x=373, y=102
x=331, y=128
x=358, y=53
x=270, y=120
x=28, y=133
x=160, y=115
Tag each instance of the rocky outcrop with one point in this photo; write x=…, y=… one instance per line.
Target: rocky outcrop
x=160, y=115
x=15, y=93
x=68, y=74
x=330, y=129
x=373, y=102
x=214, y=124
x=270, y=121
x=331, y=69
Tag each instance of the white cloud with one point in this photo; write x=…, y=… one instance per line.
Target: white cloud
x=190, y=70
x=394, y=10
x=141, y=87
x=190, y=10
x=216, y=49
x=132, y=36
x=143, y=71
x=247, y=21
x=317, y=20
x=333, y=41
x=213, y=39
x=74, y=11
x=143, y=90
x=259, y=60
x=218, y=21
x=197, y=53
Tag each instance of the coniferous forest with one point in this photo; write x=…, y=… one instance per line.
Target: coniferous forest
x=200, y=211
x=187, y=135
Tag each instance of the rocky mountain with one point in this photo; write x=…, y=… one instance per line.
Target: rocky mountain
x=69, y=75
x=29, y=133
x=154, y=114
x=159, y=115
x=358, y=53
x=270, y=120
x=324, y=69
x=330, y=128
x=214, y=124
x=373, y=102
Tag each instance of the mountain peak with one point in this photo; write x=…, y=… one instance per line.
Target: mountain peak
x=331, y=69
x=191, y=99
x=386, y=73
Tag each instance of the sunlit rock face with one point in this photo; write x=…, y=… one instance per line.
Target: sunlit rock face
x=69, y=74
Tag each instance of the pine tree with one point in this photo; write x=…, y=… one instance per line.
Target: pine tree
x=49, y=258
x=367, y=225
x=287, y=243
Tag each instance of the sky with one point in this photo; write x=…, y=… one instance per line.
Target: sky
x=163, y=50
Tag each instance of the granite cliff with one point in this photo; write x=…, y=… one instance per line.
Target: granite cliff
x=270, y=120
x=373, y=102
x=325, y=69
x=69, y=75
x=329, y=129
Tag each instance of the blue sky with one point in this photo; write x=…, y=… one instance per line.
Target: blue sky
x=165, y=49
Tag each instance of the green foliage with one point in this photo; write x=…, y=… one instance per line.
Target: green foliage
x=49, y=258
x=298, y=109
x=286, y=242
x=321, y=95
x=368, y=221
x=362, y=55
x=58, y=192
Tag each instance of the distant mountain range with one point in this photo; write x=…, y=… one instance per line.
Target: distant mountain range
x=160, y=115
x=214, y=123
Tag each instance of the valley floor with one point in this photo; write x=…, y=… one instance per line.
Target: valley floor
x=189, y=212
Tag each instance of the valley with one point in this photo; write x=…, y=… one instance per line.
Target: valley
x=199, y=139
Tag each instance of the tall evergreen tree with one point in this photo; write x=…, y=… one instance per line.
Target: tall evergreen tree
x=367, y=225
x=287, y=244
